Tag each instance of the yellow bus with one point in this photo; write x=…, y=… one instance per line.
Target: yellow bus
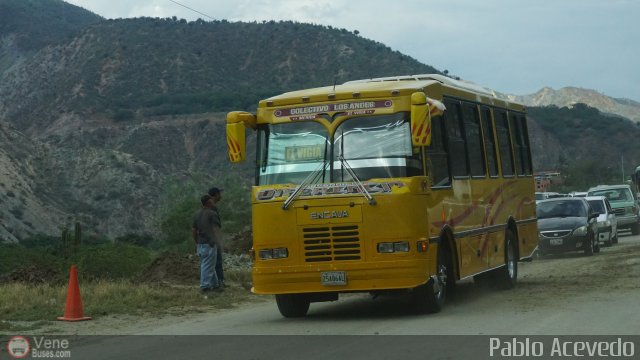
x=402, y=184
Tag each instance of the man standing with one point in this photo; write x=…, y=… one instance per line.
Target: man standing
x=204, y=230
x=216, y=194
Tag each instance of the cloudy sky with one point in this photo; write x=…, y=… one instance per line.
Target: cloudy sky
x=512, y=46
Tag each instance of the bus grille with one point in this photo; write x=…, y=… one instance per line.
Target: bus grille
x=331, y=243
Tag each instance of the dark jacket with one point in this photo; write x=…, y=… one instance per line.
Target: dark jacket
x=207, y=224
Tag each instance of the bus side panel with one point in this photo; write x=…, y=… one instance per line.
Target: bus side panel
x=472, y=259
x=495, y=248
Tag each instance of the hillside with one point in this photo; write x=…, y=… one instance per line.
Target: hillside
x=27, y=26
x=127, y=70
x=123, y=123
x=585, y=144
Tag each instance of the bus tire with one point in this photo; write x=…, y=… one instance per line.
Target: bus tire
x=425, y=298
x=293, y=305
x=506, y=276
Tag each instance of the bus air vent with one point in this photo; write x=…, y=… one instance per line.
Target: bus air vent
x=331, y=243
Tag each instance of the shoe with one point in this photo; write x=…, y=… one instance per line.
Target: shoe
x=223, y=284
x=205, y=290
x=219, y=289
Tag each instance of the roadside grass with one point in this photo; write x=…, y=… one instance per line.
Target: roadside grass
x=28, y=306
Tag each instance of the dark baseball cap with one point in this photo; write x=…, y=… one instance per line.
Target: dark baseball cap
x=204, y=199
x=215, y=191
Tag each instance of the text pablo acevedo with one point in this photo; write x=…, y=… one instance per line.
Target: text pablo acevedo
x=525, y=347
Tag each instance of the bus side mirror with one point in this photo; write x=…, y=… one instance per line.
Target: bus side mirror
x=422, y=110
x=237, y=123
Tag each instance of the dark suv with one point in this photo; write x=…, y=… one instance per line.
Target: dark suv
x=567, y=224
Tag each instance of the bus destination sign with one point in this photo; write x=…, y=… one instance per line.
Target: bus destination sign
x=350, y=108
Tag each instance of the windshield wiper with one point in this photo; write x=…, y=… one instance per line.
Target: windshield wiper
x=312, y=177
x=351, y=173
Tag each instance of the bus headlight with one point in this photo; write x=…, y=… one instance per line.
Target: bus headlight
x=402, y=246
x=385, y=247
x=392, y=247
x=277, y=253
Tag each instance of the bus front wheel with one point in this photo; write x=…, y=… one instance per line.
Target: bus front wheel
x=293, y=305
x=430, y=297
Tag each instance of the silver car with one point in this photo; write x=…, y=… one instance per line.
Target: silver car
x=607, y=222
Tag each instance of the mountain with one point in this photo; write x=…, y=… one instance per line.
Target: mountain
x=115, y=122
x=122, y=71
x=27, y=26
x=569, y=96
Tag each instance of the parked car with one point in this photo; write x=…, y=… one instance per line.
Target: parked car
x=567, y=224
x=624, y=204
x=607, y=222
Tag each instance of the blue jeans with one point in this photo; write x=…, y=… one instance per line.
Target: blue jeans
x=208, y=257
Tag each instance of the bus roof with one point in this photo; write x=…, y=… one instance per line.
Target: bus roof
x=401, y=85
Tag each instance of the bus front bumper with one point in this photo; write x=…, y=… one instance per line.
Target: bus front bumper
x=378, y=276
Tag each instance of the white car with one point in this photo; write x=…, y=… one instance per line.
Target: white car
x=607, y=222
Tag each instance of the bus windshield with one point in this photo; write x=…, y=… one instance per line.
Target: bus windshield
x=373, y=146
x=287, y=153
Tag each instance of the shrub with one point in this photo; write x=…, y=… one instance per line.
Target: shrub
x=13, y=257
x=135, y=239
x=112, y=261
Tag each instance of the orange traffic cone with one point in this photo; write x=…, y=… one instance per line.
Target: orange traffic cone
x=73, y=308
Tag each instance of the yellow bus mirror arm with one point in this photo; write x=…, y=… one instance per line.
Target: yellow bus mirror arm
x=422, y=110
x=237, y=123
x=248, y=119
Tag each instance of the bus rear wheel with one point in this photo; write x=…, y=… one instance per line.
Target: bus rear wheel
x=506, y=276
x=293, y=305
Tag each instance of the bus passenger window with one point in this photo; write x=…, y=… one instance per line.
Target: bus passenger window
x=504, y=142
x=436, y=153
x=489, y=142
x=473, y=137
x=526, y=147
x=455, y=140
x=516, y=140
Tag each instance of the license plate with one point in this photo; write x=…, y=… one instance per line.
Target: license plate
x=555, y=241
x=333, y=278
